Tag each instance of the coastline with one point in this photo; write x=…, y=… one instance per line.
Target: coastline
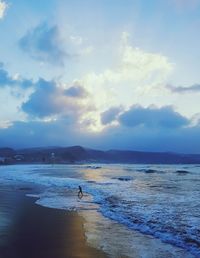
x=36, y=231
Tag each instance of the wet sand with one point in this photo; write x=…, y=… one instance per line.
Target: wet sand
x=32, y=231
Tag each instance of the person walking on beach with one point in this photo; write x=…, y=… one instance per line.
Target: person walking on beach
x=80, y=192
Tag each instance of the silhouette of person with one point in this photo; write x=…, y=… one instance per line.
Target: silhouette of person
x=80, y=192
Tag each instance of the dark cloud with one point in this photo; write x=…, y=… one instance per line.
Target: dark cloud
x=66, y=131
x=42, y=102
x=7, y=80
x=34, y=133
x=43, y=43
x=180, y=89
x=49, y=99
x=76, y=91
x=182, y=139
x=110, y=115
x=164, y=117
x=139, y=128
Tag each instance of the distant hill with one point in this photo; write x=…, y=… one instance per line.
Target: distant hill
x=78, y=154
x=6, y=152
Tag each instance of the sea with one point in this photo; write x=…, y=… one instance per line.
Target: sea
x=160, y=201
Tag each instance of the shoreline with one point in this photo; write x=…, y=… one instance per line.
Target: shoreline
x=37, y=232
x=101, y=163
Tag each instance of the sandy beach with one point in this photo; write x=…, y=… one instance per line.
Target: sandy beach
x=34, y=231
x=42, y=217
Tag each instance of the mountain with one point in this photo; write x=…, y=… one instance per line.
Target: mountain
x=79, y=154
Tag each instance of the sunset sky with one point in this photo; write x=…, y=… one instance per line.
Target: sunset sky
x=107, y=74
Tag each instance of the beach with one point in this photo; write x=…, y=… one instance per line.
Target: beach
x=126, y=211
x=34, y=231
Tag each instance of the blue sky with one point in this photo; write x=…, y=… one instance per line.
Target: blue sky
x=104, y=74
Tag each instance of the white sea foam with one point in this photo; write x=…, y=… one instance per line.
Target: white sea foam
x=118, y=241
x=163, y=203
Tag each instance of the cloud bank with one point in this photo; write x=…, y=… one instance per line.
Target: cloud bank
x=65, y=132
x=138, y=128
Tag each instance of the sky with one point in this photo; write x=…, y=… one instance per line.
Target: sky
x=105, y=74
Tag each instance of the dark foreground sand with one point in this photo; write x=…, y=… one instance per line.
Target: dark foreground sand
x=38, y=232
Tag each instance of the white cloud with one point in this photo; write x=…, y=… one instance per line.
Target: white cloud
x=5, y=124
x=76, y=40
x=135, y=64
x=3, y=7
x=134, y=73
x=86, y=51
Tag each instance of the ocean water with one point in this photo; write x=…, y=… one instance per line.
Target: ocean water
x=158, y=200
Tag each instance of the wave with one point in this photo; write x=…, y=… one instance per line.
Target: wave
x=124, y=178
x=149, y=171
x=182, y=172
x=165, y=230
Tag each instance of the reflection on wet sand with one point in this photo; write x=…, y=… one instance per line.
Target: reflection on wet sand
x=37, y=232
